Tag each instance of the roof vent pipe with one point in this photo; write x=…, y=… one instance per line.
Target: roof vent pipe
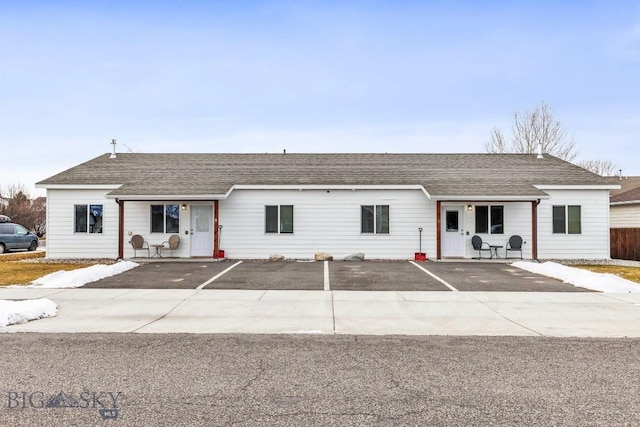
x=113, y=153
x=540, y=150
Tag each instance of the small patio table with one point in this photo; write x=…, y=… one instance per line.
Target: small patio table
x=157, y=247
x=494, y=250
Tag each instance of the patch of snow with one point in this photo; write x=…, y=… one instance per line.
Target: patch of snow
x=12, y=312
x=81, y=276
x=603, y=282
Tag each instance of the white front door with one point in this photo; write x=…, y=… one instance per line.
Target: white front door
x=201, y=230
x=452, y=231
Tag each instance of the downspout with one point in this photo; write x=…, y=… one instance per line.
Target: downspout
x=534, y=229
x=438, y=229
x=120, y=228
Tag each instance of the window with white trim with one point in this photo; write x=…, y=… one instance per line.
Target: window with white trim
x=490, y=219
x=278, y=219
x=567, y=219
x=165, y=218
x=88, y=218
x=374, y=219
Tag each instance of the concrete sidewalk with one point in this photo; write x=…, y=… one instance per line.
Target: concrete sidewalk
x=335, y=312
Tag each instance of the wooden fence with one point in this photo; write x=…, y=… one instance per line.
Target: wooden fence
x=625, y=243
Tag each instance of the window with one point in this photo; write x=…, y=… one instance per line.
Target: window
x=567, y=220
x=482, y=219
x=88, y=219
x=165, y=218
x=559, y=220
x=278, y=219
x=497, y=219
x=574, y=219
x=453, y=221
x=374, y=219
x=490, y=219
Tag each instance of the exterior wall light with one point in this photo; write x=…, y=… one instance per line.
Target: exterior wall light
x=470, y=208
x=183, y=207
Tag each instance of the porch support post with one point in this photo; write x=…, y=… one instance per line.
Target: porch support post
x=120, y=228
x=438, y=229
x=216, y=231
x=534, y=229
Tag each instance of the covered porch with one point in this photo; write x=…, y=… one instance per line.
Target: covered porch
x=194, y=222
x=494, y=222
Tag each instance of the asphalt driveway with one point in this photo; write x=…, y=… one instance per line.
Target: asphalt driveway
x=268, y=275
x=381, y=276
x=496, y=277
x=163, y=275
x=336, y=275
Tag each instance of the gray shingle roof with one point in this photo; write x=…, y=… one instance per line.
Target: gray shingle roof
x=192, y=175
x=631, y=196
x=629, y=191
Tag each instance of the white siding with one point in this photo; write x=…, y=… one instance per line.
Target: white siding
x=137, y=220
x=625, y=216
x=63, y=242
x=327, y=221
x=592, y=243
x=517, y=221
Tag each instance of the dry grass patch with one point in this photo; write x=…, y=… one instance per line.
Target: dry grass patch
x=629, y=273
x=14, y=271
x=18, y=256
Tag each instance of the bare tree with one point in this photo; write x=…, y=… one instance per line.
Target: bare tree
x=22, y=210
x=529, y=129
x=12, y=190
x=601, y=167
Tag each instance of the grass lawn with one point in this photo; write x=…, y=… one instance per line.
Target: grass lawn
x=629, y=273
x=14, y=272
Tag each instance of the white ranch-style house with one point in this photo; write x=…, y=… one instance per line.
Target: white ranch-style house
x=387, y=206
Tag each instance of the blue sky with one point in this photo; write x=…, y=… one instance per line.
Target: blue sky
x=310, y=76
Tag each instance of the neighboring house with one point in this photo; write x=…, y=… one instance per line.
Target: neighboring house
x=625, y=202
x=253, y=205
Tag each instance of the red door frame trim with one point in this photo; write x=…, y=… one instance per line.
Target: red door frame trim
x=120, y=228
x=216, y=234
x=534, y=229
x=438, y=229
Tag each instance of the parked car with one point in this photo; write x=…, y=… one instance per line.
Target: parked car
x=15, y=236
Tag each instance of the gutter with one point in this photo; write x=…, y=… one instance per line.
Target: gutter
x=630, y=202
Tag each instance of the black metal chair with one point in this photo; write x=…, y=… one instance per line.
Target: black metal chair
x=515, y=245
x=479, y=245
